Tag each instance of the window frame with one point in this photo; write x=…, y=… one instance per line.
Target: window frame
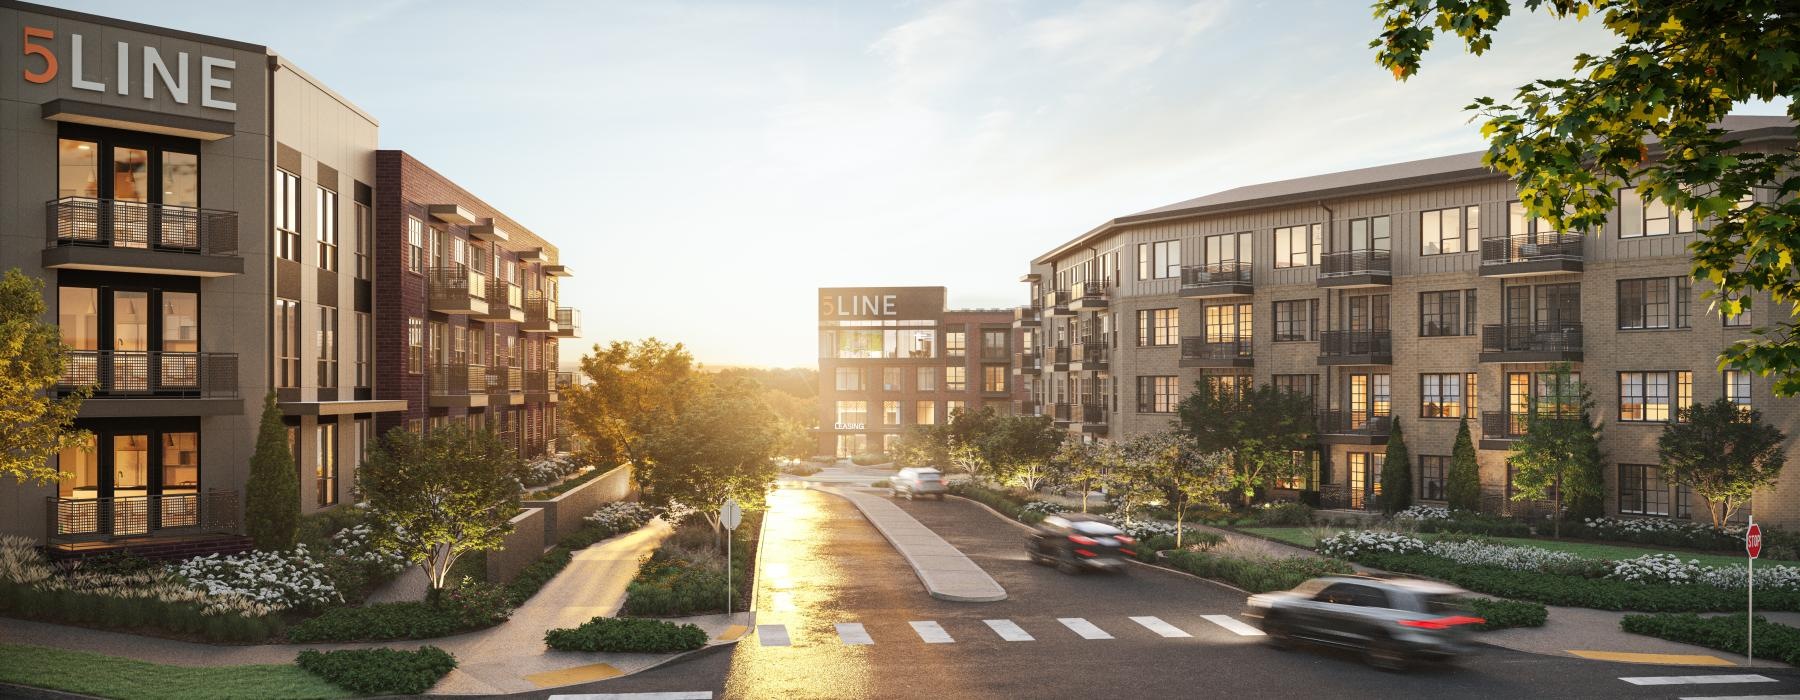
x=1312, y=237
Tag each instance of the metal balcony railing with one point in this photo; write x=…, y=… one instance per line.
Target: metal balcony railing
x=112, y=223
x=1059, y=355
x=1531, y=337
x=1356, y=262
x=1501, y=425
x=1528, y=247
x=1354, y=423
x=1197, y=348
x=458, y=380
x=540, y=313
x=999, y=354
x=1088, y=291
x=565, y=380
x=1355, y=343
x=504, y=380
x=539, y=381
x=69, y=520
x=1093, y=413
x=504, y=295
x=1057, y=300
x=117, y=374
x=1061, y=412
x=1215, y=273
x=455, y=287
x=568, y=320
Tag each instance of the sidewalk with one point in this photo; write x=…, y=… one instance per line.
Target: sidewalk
x=947, y=573
x=507, y=658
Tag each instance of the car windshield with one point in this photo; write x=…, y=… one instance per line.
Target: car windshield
x=1446, y=605
x=929, y=476
x=1089, y=527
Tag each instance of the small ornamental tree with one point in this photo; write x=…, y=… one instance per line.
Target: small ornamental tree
x=272, y=495
x=1464, y=487
x=1083, y=465
x=1022, y=449
x=1722, y=452
x=1168, y=463
x=1396, y=474
x=921, y=446
x=34, y=423
x=435, y=497
x=1559, y=456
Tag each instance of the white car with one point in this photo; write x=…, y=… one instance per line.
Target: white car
x=914, y=482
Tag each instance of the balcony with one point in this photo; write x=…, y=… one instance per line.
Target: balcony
x=1090, y=355
x=1500, y=428
x=1216, y=280
x=1093, y=418
x=1196, y=352
x=505, y=386
x=568, y=322
x=459, y=386
x=72, y=521
x=1026, y=408
x=1059, y=358
x=1088, y=296
x=996, y=354
x=1029, y=363
x=1056, y=303
x=540, y=386
x=564, y=380
x=1526, y=254
x=1364, y=347
x=108, y=234
x=1528, y=342
x=505, y=303
x=457, y=290
x=153, y=383
x=1353, y=428
x=1027, y=316
x=1357, y=268
x=1060, y=414
x=540, y=315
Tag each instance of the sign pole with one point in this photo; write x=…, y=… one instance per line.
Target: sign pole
x=728, y=596
x=730, y=514
x=1752, y=548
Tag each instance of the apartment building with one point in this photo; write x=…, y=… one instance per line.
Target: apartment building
x=894, y=357
x=467, y=298
x=1417, y=293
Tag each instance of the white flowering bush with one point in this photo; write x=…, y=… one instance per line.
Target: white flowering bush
x=278, y=580
x=356, y=544
x=621, y=516
x=1349, y=545
x=1041, y=508
x=1477, y=553
x=1668, y=568
x=1146, y=529
x=1424, y=513
x=550, y=470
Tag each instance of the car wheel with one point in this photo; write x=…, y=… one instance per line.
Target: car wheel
x=1067, y=565
x=1275, y=633
x=1385, y=657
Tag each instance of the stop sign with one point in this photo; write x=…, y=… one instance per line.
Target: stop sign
x=1753, y=540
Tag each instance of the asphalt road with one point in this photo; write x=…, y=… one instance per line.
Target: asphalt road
x=825, y=566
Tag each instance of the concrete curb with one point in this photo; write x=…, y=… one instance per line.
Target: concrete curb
x=919, y=568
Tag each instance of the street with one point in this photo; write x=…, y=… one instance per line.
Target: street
x=840, y=615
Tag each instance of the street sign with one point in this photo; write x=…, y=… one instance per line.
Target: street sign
x=730, y=514
x=1753, y=540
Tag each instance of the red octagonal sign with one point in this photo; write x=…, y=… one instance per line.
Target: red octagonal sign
x=1753, y=540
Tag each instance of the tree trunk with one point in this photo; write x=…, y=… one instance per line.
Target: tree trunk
x=1556, y=511
x=1180, y=513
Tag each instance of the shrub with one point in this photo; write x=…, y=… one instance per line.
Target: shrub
x=549, y=470
x=1473, y=523
x=380, y=622
x=273, y=490
x=1007, y=504
x=380, y=671
x=1284, y=514
x=686, y=575
x=1256, y=574
x=282, y=580
x=1578, y=591
x=1668, y=568
x=800, y=468
x=1351, y=545
x=620, y=516
x=612, y=634
x=1504, y=614
x=1148, y=547
x=882, y=484
x=1725, y=633
x=1422, y=512
x=868, y=459
x=1661, y=532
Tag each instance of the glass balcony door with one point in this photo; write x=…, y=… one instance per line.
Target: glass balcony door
x=131, y=341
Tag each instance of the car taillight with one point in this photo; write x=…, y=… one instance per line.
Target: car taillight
x=1127, y=552
x=1123, y=539
x=1084, y=552
x=1440, y=623
x=1078, y=539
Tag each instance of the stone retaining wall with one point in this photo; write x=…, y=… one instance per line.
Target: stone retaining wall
x=521, y=547
x=564, y=513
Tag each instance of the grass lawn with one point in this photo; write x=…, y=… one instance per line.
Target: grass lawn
x=113, y=677
x=1303, y=537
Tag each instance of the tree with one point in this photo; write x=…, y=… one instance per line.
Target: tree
x=34, y=423
x=1396, y=473
x=962, y=441
x=719, y=445
x=921, y=446
x=1260, y=429
x=1464, y=487
x=1023, y=449
x=1723, y=452
x=1169, y=463
x=272, y=495
x=1084, y=465
x=1559, y=456
x=435, y=497
x=632, y=390
x=1645, y=115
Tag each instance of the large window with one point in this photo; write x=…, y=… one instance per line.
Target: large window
x=1452, y=230
x=956, y=378
x=1307, y=384
x=1520, y=223
x=1158, y=327
x=415, y=245
x=1654, y=397
x=327, y=342
x=852, y=414
x=1737, y=387
x=1295, y=320
x=287, y=343
x=1228, y=323
x=1440, y=313
x=892, y=378
x=326, y=471
x=994, y=345
x=956, y=343
x=890, y=413
x=1642, y=490
x=328, y=229
x=1432, y=476
x=1373, y=233
x=362, y=349
x=1299, y=246
x=1158, y=394
x=1443, y=396
x=1227, y=384
x=415, y=345
x=1654, y=303
x=363, y=234
x=927, y=379
x=892, y=343
x=850, y=379
x=287, y=215
x=1302, y=471
x=925, y=412
x=993, y=378
x=1222, y=251
x=1658, y=220
x=1159, y=260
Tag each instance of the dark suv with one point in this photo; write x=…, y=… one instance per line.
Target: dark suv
x=1391, y=621
x=1076, y=542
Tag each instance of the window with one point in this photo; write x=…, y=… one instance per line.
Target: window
x=994, y=345
x=1432, y=469
x=415, y=345
x=850, y=379
x=891, y=377
x=327, y=346
x=326, y=469
x=1224, y=252
x=1471, y=407
x=927, y=379
x=1444, y=231
x=956, y=378
x=1158, y=394
x=1299, y=246
x=925, y=413
x=852, y=414
x=1440, y=313
x=993, y=378
x=1158, y=327
x=1228, y=323
x=1227, y=384
x=1737, y=387
x=1302, y=472
x=415, y=245
x=362, y=349
x=955, y=343
x=1295, y=320
x=287, y=215
x=1659, y=222
x=953, y=408
x=327, y=211
x=287, y=343
x=1520, y=224
x=1307, y=384
x=362, y=223
x=1654, y=303
x=1159, y=260
x=890, y=413
x=1654, y=397
x=1373, y=233
x=1738, y=320
x=1441, y=396
x=1642, y=490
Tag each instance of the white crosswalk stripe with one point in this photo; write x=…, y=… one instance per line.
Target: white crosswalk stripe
x=1233, y=624
x=853, y=633
x=1693, y=680
x=772, y=635
x=1155, y=624
x=694, y=695
x=1086, y=629
x=931, y=632
x=1743, y=697
x=1009, y=630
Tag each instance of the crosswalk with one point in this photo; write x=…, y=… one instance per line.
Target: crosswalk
x=1712, y=679
x=934, y=632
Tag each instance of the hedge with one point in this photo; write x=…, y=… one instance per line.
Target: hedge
x=997, y=500
x=626, y=635
x=1725, y=633
x=1504, y=614
x=1256, y=575
x=380, y=671
x=1147, y=548
x=1578, y=591
x=145, y=614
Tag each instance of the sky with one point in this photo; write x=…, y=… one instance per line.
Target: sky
x=705, y=167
